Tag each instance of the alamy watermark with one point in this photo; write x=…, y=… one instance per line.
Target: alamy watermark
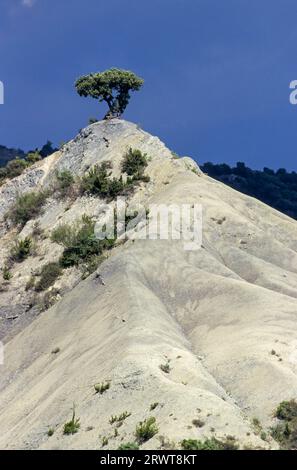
x=155, y=222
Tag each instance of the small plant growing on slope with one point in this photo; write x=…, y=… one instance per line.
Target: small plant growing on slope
x=21, y=250
x=120, y=418
x=64, y=183
x=6, y=273
x=209, y=444
x=49, y=274
x=287, y=410
x=165, y=367
x=286, y=431
x=72, y=427
x=102, y=388
x=147, y=429
x=129, y=446
x=80, y=243
x=27, y=207
x=98, y=182
x=134, y=163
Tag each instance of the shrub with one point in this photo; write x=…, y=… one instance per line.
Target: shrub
x=63, y=235
x=104, y=441
x=21, y=249
x=209, y=444
x=165, y=367
x=286, y=432
x=80, y=243
x=64, y=182
x=134, y=163
x=49, y=274
x=147, y=429
x=97, y=181
x=120, y=418
x=6, y=273
x=27, y=207
x=33, y=157
x=50, y=432
x=15, y=168
x=72, y=427
x=154, y=406
x=129, y=446
x=102, y=388
x=198, y=423
x=287, y=410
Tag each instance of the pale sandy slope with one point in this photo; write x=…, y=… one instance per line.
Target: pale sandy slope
x=216, y=313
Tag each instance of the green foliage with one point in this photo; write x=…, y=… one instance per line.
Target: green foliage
x=64, y=182
x=209, y=444
x=286, y=431
x=72, y=427
x=6, y=273
x=49, y=274
x=278, y=188
x=33, y=157
x=14, y=168
x=50, y=432
x=27, y=207
x=102, y=388
x=80, y=243
x=129, y=446
x=104, y=441
x=112, y=86
x=97, y=181
x=198, y=423
x=287, y=410
x=165, y=367
x=119, y=419
x=153, y=406
x=147, y=429
x=134, y=163
x=21, y=249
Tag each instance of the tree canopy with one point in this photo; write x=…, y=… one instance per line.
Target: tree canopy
x=112, y=86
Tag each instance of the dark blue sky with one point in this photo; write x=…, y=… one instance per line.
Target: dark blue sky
x=217, y=72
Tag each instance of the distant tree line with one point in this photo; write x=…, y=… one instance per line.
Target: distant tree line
x=15, y=161
x=277, y=188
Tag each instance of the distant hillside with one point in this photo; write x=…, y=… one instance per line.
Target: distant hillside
x=278, y=188
x=7, y=154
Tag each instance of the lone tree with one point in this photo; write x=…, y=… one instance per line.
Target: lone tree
x=112, y=86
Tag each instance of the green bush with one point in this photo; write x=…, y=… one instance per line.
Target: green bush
x=72, y=427
x=27, y=207
x=286, y=432
x=97, y=181
x=6, y=273
x=209, y=444
x=49, y=274
x=21, y=249
x=134, y=163
x=64, y=182
x=80, y=243
x=147, y=429
x=33, y=157
x=287, y=410
x=120, y=419
x=102, y=388
x=129, y=446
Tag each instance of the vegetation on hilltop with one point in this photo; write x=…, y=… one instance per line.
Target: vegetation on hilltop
x=112, y=86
